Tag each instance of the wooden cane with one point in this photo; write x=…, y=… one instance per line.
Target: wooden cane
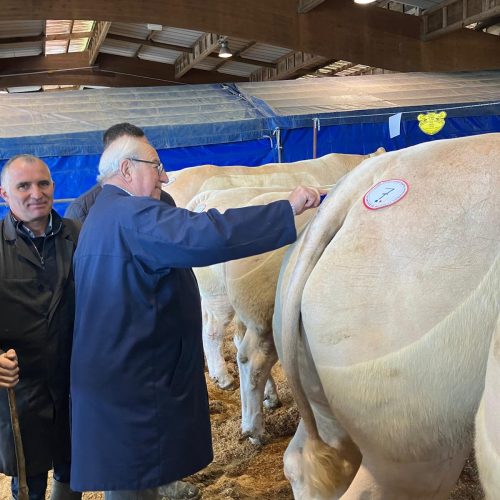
x=18, y=445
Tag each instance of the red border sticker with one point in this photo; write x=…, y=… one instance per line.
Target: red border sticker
x=385, y=193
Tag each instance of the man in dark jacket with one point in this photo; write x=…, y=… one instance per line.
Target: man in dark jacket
x=37, y=311
x=139, y=400
x=78, y=209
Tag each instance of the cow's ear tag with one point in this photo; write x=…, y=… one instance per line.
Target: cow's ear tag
x=385, y=193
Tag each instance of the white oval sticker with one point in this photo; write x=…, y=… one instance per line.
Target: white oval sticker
x=385, y=193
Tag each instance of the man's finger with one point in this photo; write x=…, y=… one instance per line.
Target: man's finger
x=11, y=354
x=8, y=382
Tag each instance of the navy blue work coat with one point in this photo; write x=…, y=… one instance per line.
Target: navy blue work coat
x=140, y=414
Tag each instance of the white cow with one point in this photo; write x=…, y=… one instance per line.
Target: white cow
x=194, y=182
x=184, y=184
x=387, y=315
x=488, y=424
x=244, y=288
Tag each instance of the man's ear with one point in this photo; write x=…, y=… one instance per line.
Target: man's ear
x=4, y=194
x=125, y=169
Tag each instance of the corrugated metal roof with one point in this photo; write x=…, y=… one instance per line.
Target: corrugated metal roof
x=176, y=36
x=78, y=45
x=119, y=48
x=21, y=49
x=236, y=44
x=134, y=30
x=165, y=56
x=81, y=27
x=56, y=47
x=238, y=69
x=9, y=29
x=267, y=53
x=55, y=27
x=353, y=69
x=209, y=63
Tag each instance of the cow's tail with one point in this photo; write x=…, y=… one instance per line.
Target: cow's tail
x=323, y=466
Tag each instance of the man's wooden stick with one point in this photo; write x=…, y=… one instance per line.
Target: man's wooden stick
x=18, y=445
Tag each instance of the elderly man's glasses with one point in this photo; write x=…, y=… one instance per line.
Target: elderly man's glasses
x=155, y=164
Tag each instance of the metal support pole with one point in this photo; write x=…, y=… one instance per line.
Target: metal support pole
x=316, y=127
x=279, y=145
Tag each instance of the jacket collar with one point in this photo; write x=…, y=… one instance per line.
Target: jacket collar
x=12, y=227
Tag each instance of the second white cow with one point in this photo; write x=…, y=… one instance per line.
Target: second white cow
x=244, y=289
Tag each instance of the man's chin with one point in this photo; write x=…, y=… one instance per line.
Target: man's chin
x=39, y=212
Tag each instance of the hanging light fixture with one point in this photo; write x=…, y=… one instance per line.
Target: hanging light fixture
x=224, y=50
x=364, y=2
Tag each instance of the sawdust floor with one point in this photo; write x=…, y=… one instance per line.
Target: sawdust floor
x=241, y=471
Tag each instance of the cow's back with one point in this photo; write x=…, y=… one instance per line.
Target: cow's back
x=186, y=183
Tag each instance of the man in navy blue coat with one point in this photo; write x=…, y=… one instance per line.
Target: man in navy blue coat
x=140, y=414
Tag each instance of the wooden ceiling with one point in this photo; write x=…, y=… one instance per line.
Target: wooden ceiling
x=302, y=34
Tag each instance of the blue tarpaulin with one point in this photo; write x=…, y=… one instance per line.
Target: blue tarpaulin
x=237, y=124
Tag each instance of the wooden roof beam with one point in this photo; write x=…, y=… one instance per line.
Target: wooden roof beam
x=101, y=29
x=17, y=65
x=109, y=70
x=307, y=5
x=452, y=15
x=45, y=38
x=161, y=71
x=255, y=62
x=203, y=47
x=149, y=43
x=287, y=66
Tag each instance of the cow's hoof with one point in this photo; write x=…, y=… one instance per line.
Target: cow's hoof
x=226, y=383
x=272, y=402
x=255, y=440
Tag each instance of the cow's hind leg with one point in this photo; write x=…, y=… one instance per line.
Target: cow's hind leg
x=217, y=314
x=271, y=398
x=332, y=433
x=379, y=479
x=256, y=356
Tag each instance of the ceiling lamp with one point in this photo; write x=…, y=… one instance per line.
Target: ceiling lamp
x=364, y=2
x=224, y=50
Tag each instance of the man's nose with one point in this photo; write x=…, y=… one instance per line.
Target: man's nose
x=164, y=177
x=36, y=192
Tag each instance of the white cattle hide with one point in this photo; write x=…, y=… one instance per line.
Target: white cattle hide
x=396, y=307
x=186, y=183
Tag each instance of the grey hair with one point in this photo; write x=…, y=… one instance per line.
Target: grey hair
x=118, y=150
x=27, y=158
